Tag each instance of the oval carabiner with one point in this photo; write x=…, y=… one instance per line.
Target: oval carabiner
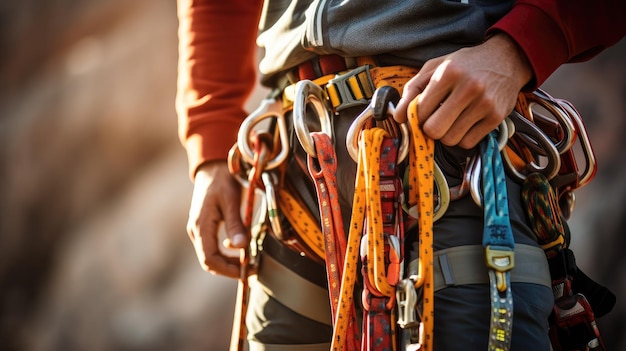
x=309, y=93
x=475, y=176
x=591, y=166
x=567, y=128
x=441, y=185
x=235, y=166
x=541, y=144
x=269, y=108
x=380, y=107
x=473, y=169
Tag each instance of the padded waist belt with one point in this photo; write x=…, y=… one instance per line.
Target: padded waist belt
x=461, y=265
x=465, y=265
x=256, y=346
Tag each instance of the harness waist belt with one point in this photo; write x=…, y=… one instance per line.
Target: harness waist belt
x=356, y=86
x=292, y=290
x=460, y=265
x=463, y=265
x=257, y=346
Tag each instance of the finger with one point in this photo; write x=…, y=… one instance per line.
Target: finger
x=479, y=130
x=414, y=87
x=445, y=118
x=410, y=91
x=440, y=86
x=236, y=234
x=203, y=231
x=211, y=258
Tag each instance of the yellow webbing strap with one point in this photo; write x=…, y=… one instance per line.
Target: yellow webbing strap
x=302, y=221
x=369, y=156
x=421, y=187
x=365, y=186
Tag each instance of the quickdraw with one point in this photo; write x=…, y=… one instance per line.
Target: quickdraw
x=498, y=243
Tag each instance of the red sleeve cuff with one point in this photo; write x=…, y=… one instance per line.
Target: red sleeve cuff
x=210, y=142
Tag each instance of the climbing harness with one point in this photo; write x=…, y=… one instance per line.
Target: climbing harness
x=398, y=186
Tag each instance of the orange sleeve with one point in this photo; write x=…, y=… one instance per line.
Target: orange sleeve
x=216, y=74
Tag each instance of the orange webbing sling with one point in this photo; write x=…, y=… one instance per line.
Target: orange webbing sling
x=421, y=188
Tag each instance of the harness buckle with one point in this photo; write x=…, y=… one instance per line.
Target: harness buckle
x=501, y=259
x=352, y=88
x=406, y=298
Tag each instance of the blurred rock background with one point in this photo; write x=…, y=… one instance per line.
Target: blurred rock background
x=94, y=190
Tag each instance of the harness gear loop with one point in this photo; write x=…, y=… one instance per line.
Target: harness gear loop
x=498, y=243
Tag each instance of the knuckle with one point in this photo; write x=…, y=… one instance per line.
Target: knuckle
x=433, y=131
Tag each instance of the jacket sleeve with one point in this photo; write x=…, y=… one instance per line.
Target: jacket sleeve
x=216, y=74
x=554, y=32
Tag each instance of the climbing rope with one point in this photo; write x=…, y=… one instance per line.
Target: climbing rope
x=421, y=188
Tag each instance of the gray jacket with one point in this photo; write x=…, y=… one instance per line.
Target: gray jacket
x=396, y=31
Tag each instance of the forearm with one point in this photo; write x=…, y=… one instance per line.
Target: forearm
x=216, y=73
x=551, y=33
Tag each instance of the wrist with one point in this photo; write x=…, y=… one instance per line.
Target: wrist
x=512, y=52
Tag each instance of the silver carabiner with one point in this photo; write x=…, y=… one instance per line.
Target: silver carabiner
x=269, y=108
x=354, y=132
x=588, y=153
x=269, y=181
x=543, y=99
x=474, y=166
x=441, y=184
x=308, y=93
x=543, y=146
x=381, y=106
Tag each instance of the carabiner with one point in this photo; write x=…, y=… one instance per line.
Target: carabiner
x=380, y=107
x=541, y=98
x=235, y=166
x=474, y=167
x=269, y=108
x=541, y=144
x=441, y=185
x=309, y=93
x=591, y=165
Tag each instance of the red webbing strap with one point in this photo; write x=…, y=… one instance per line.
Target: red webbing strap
x=261, y=156
x=323, y=170
x=381, y=260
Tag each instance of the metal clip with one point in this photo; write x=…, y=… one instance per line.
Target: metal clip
x=442, y=200
x=501, y=259
x=269, y=108
x=406, y=298
x=307, y=93
x=544, y=146
x=272, y=204
x=373, y=110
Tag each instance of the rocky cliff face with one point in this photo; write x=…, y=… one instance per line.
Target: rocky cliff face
x=94, y=189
